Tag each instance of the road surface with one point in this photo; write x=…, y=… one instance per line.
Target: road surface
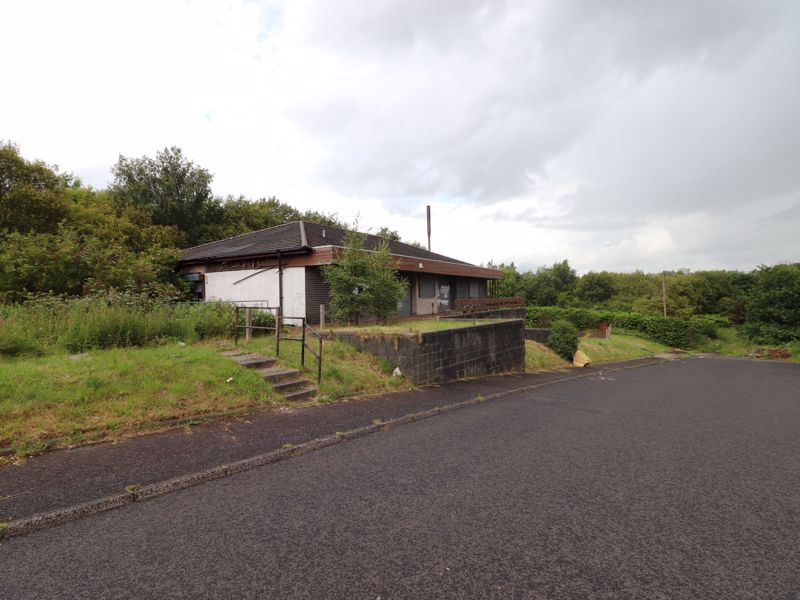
x=680, y=480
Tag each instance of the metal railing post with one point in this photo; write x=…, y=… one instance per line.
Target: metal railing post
x=303, y=346
x=319, y=363
x=248, y=322
x=278, y=323
x=236, y=325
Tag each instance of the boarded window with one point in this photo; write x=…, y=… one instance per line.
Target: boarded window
x=427, y=287
x=474, y=288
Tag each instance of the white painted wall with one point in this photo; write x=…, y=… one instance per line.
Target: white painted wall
x=261, y=286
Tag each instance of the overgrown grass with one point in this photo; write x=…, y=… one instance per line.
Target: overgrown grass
x=53, y=325
x=730, y=342
x=539, y=357
x=346, y=372
x=62, y=400
x=619, y=347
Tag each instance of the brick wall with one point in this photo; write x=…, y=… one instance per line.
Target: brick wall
x=440, y=356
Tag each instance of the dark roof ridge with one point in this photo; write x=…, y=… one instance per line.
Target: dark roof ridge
x=233, y=237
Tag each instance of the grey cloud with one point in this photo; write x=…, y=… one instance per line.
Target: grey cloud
x=469, y=99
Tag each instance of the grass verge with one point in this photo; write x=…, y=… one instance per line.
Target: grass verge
x=63, y=400
x=539, y=357
x=730, y=343
x=619, y=347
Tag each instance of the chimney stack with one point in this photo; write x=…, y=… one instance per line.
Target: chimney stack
x=429, y=227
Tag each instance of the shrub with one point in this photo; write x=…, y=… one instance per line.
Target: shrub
x=563, y=339
x=671, y=331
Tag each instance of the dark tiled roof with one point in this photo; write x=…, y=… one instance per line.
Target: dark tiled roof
x=296, y=236
x=334, y=236
x=256, y=243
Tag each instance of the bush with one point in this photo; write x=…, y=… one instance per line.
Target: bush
x=563, y=339
x=770, y=334
x=671, y=331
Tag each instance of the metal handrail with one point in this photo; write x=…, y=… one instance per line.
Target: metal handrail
x=279, y=321
x=249, y=327
x=305, y=330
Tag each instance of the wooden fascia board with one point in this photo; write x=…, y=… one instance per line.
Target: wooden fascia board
x=411, y=264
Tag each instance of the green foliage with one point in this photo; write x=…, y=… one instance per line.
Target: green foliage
x=389, y=234
x=171, y=190
x=563, y=339
x=61, y=238
x=671, y=331
x=52, y=324
x=363, y=283
x=30, y=193
x=240, y=215
x=773, y=307
x=548, y=286
x=595, y=288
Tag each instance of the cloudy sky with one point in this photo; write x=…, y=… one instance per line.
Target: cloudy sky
x=620, y=134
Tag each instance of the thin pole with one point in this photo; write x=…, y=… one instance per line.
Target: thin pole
x=319, y=363
x=664, y=292
x=303, y=346
x=278, y=320
x=236, y=326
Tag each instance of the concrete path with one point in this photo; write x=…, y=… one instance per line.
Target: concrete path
x=677, y=481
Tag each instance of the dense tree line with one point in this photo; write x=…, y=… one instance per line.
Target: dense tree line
x=59, y=236
x=766, y=300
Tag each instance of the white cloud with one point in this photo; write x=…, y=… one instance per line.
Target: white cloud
x=618, y=134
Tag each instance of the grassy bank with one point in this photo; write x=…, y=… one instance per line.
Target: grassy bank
x=64, y=400
x=539, y=357
x=346, y=373
x=619, y=347
x=103, y=394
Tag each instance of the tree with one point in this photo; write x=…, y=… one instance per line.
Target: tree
x=595, y=288
x=773, y=309
x=31, y=193
x=363, y=282
x=172, y=190
x=389, y=234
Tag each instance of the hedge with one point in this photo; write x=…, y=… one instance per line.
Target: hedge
x=671, y=331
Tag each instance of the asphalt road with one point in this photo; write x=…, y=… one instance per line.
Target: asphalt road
x=674, y=481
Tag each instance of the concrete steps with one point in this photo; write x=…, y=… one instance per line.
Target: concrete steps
x=289, y=383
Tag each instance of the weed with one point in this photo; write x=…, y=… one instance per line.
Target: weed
x=377, y=422
x=341, y=435
x=287, y=446
x=131, y=489
x=3, y=529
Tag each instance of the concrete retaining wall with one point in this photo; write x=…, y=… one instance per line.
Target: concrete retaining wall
x=537, y=334
x=440, y=356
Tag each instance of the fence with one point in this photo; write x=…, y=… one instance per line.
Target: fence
x=469, y=305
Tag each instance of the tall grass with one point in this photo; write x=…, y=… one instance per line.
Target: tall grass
x=52, y=324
